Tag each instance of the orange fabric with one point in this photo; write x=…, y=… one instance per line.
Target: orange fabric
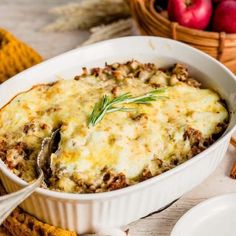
x=15, y=56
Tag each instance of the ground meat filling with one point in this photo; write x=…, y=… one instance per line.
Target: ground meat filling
x=148, y=73
x=21, y=159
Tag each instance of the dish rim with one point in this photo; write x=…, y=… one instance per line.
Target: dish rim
x=136, y=187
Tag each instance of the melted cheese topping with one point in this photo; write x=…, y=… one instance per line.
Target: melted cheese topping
x=120, y=142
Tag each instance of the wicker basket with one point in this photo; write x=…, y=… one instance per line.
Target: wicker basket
x=221, y=46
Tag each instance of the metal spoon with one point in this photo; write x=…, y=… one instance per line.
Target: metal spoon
x=10, y=201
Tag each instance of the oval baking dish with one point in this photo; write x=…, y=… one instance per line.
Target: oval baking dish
x=88, y=212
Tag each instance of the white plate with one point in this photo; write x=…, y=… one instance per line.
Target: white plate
x=216, y=216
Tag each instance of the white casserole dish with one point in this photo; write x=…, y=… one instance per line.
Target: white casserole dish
x=89, y=212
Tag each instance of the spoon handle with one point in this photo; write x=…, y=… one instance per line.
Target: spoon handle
x=10, y=201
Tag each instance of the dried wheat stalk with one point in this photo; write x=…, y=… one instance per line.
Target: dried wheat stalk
x=87, y=14
x=114, y=30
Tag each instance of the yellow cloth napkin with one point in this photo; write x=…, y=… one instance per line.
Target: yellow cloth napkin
x=15, y=56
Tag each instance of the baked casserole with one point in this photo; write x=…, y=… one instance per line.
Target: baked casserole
x=100, y=149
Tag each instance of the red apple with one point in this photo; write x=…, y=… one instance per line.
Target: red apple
x=190, y=13
x=216, y=1
x=224, y=19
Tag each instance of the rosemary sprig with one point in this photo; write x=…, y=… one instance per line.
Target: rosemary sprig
x=106, y=104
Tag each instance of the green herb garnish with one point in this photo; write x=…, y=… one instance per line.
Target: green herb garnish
x=107, y=104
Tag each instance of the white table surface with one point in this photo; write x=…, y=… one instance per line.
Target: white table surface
x=25, y=18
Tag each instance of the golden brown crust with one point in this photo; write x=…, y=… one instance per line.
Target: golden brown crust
x=3, y=232
x=21, y=160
